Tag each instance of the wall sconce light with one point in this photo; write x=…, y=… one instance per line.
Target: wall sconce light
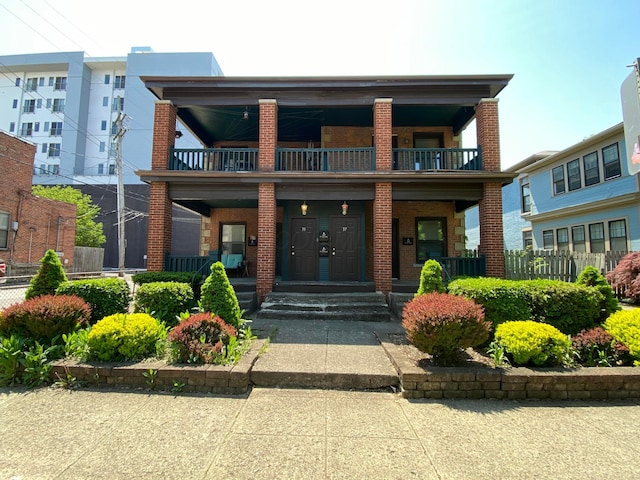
x=345, y=208
x=303, y=208
x=245, y=115
x=179, y=134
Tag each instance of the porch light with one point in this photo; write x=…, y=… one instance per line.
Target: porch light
x=345, y=208
x=179, y=134
x=245, y=115
x=303, y=208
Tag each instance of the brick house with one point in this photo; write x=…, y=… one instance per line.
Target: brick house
x=336, y=180
x=30, y=225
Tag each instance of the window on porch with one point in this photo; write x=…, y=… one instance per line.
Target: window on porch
x=431, y=238
x=232, y=238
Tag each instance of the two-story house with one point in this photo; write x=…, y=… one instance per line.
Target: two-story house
x=582, y=198
x=329, y=179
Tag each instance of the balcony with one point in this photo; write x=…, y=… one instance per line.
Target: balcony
x=325, y=159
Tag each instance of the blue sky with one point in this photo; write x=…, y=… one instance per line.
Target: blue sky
x=568, y=57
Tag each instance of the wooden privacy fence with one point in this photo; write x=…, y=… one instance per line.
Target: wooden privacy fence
x=88, y=259
x=556, y=264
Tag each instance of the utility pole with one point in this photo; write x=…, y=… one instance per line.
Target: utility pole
x=121, y=129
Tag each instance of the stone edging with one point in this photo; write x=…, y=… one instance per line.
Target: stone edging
x=513, y=383
x=231, y=379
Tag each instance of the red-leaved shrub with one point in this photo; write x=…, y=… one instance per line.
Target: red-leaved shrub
x=200, y=338
x=597, y=347
x=441, y=324
x=45, y=317
x=626, y=275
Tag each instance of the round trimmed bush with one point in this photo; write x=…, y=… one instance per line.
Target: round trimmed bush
x=164, y=300
x=441, y=324
x=119, y=337
x=105, y=296
x=597, y=347
x=532, y=343
x=45, y=317
x=200, y=338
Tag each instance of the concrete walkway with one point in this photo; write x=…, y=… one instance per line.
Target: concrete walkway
x=309, y=434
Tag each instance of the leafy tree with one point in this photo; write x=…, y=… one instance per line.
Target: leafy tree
x=49, y=277
x=626, y=276
x=89, y=233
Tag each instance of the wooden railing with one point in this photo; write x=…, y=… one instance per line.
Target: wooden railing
x=325, y=159
x=437, y=158
x=214, y=159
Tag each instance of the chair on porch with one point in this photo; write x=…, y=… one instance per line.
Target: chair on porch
x=234, y=262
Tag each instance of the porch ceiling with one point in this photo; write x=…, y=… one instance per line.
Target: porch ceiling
x=212, y=108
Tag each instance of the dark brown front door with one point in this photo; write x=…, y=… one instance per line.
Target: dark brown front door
x=303, y=249
x=345, y=256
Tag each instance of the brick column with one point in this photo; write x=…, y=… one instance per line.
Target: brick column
x=490, y=207
x=382, y=235
x=160, y=213
x=267, y=141
x=382, y=132
x=268, y=134
x=266, y=264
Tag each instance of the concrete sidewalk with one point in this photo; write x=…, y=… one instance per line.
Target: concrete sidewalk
x=309, y=434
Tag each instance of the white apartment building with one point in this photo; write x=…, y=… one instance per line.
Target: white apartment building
x=67, y=104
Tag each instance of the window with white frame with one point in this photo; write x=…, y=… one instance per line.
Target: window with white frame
x=56, y=129
x=36, y=127
x=58, y=105
x=45, y=147
x=578, y=239
x=118, y=104
x=118, y=81
x=596, y=237
x=591, y=169
x=527, y=239
x=573, y=175
x=54, y=169
x=17, y=82
x=54, y=150
x=4, y=229
x=547, y=239
x=107, y=79
x=61, y=83
x=618, y=236
x=558, y=180
x=525, y=193
x=31, y=85
x=611, y=162
x=103, y=125
x=562, y=238
x=26, y=129
x=29, y=106
x=101, y=169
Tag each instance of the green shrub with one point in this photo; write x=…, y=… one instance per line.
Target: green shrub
x=164, y=300
x=569, y=307
x=119, y=337
x=45, y=318
x=624, y=326
x=50, y=275
x=532, y=343
x=105, y=296
x=192, y=278
x=431, y=278
x=219, y=297
x=11, y=355
x=441, y=324
x=503, y=300
x=591, y=277
x=200, y=338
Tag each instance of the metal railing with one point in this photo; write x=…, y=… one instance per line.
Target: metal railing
x=463, y=266
x=437, y=159
x=214, y=159
x=325, y=159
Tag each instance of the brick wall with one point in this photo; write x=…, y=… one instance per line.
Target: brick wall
x=382, y=237
x=43, y=224
x=382, y=125
x=268, y=134
x=164, y=134
x=344, y=137
x=266, y=268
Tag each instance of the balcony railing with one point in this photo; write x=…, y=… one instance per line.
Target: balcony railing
x=325, y=159
x=437, y=158
x=214, y=159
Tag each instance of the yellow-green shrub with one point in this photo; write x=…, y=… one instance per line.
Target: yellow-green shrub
x=624, y=326
x=528, y=342
x=122, y=336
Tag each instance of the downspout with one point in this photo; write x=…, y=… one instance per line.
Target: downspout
x=21, y=195
x=60, y=220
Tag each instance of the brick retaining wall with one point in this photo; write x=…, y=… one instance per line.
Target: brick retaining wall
x=513, y=383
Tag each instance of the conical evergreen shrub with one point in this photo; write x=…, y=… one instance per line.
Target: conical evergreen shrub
x=430, y=278
x=49, y=277
x=219, y=297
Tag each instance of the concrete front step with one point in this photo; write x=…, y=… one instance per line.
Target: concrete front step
x=360, y=306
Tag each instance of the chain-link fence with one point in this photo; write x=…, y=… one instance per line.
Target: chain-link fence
x=11, y=293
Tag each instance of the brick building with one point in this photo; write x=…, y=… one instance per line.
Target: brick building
x=30, y=225
x=341, y=180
